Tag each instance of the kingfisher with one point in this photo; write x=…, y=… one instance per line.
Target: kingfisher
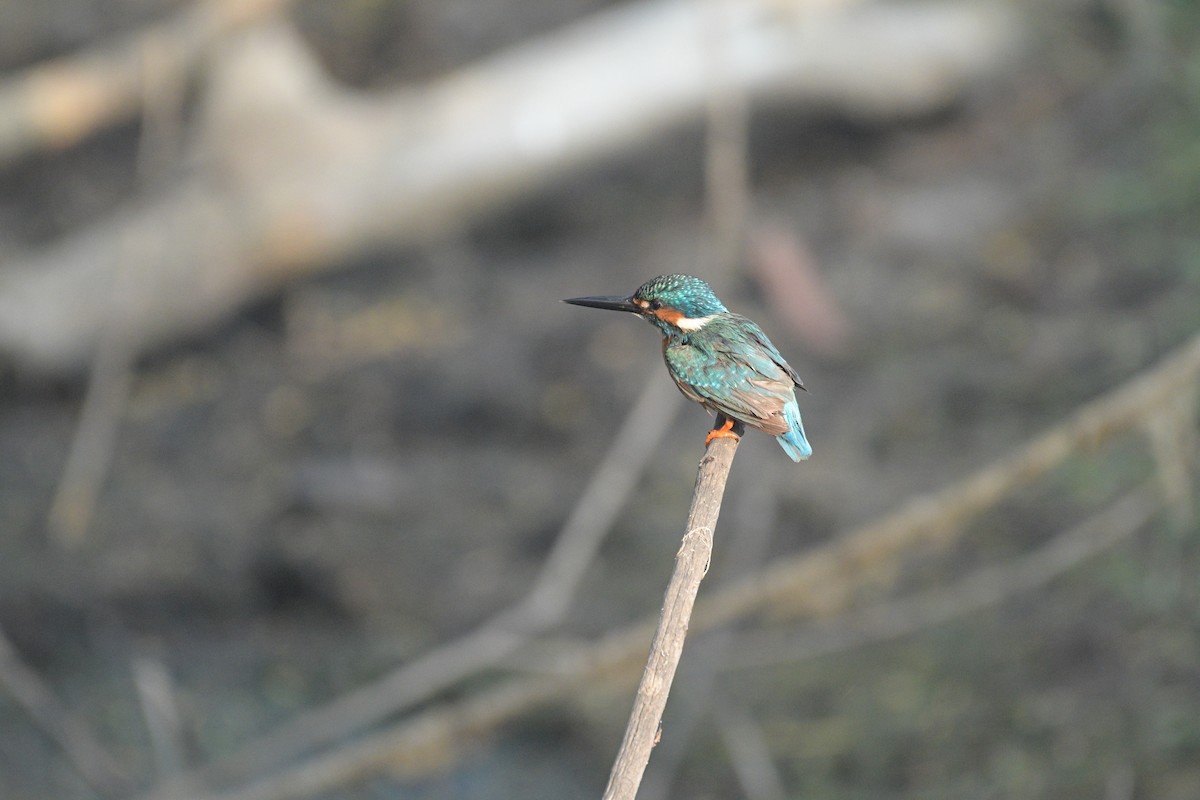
x=719, y=359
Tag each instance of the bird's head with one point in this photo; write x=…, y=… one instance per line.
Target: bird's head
x=676, y=304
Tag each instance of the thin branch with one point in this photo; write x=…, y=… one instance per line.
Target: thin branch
x=95, y=436
x=93, y=763
x=753, y=513
x=691, y=564
x=160, y=710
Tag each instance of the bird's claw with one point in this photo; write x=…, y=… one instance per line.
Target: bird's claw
x=725, y=431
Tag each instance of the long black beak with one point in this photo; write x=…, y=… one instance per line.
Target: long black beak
x=611, y=303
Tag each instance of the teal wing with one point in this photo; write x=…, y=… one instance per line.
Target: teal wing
x=731, y=366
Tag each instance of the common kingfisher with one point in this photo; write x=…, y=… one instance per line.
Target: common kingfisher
x=719, y=359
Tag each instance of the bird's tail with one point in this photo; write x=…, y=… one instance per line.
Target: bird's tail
x=794, y=442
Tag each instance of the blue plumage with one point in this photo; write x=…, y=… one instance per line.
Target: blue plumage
x=721, y=360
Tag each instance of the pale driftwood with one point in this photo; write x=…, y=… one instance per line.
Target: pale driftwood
x=691, y=565
x=295, y=174
x=812, y=584
x=59, y=103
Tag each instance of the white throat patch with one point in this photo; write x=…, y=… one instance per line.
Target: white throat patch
x=693, y=323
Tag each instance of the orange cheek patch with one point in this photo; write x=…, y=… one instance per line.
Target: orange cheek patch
x=669, y=315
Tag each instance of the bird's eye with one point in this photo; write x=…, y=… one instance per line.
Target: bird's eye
x=655, y=305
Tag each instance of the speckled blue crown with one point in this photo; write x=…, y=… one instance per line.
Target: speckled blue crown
x=691, y=296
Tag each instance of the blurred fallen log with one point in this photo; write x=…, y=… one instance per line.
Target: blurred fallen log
x=816, y=584
x=295, y=174
x=57, y=104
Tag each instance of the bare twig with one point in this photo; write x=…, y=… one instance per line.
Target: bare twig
x=112, y=365
x=691, y=564
x=753, y=513
x=93, y=763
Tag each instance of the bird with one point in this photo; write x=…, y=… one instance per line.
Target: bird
x=719, y=359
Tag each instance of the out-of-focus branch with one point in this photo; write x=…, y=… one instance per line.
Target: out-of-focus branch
x=820, y=581
x=93, y=763
x=985, y=587
x=801, y=584
x=112, y=363
x=59, y=103
x=160, y=710
x=749, y=753
x=298, y=174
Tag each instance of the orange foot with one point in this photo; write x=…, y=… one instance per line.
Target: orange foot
x=723, y=432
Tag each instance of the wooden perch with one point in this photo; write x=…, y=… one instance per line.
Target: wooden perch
x=296, y=174
x=691, y=565
x=57, y=104
x=814, y=584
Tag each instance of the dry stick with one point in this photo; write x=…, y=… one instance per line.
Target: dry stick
x=817, y=583
x=496, y=639
x=111, y=377
x=753, y=513
x=93, y=763
x=691, y=564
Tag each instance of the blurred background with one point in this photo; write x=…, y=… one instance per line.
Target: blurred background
x=311, y=487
